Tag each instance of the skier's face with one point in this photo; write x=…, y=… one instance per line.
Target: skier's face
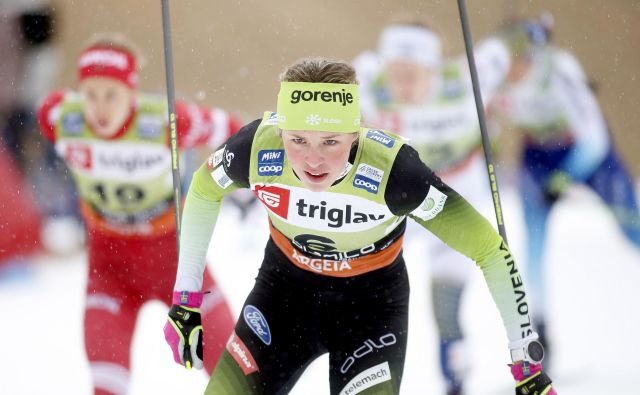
x=107, y=104
x=317, y=158
x=409, y=82
x=519, y=69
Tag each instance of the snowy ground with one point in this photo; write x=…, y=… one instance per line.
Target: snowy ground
x=593, y=276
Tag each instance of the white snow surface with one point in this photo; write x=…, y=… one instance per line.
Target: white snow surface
x=593, y=275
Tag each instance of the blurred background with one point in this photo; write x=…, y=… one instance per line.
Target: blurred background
x=229, y=54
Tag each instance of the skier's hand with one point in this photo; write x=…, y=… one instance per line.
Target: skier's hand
x=183, y=330
x=556, y=184
x=531, y=380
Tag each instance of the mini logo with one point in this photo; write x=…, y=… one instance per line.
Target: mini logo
x=258, y=324
x=270, y=162
x=380, y=137
x=275, y=199
x=312, y=119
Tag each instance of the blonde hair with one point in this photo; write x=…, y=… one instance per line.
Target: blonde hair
x=320, y=70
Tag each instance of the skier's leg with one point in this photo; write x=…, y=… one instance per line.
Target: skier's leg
x=450, y=272
x=275, y=337
x=612, y=182
x=109, y=322
x=536, y=214
x=368, y=337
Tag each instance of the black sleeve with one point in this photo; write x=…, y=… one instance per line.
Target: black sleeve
x=237, y=153
x=409, y=182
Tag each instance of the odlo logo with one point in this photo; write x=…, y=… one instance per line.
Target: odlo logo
x=327, y=97
x=270, y=162
x=369, y=346
x=258, y=324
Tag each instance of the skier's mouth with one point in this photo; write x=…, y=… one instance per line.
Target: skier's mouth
x=315, y=176
x=102, y=122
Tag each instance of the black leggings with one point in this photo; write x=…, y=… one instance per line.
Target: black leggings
x=292, y=316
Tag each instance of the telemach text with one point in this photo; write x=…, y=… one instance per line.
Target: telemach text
x=335, y=216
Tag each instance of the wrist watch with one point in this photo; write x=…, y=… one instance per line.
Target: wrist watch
x=532, y=352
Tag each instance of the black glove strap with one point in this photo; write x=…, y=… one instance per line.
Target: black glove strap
x=179, y=313
x=534, y=386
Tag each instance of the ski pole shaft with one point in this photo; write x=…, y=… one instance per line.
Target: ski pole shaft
x=486, y=144
x=175, y=169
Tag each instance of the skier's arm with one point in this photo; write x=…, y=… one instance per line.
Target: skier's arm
x=216, y=178
x=414, y=190
x=493, y=60
x=199, y=126
x=586, y=122
x=48, y=113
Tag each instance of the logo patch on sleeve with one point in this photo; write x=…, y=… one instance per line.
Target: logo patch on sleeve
x=431, y=205
x=270, y=162
x=221, y=178
x=380, y=137
x=258, y=324
x=368, y=178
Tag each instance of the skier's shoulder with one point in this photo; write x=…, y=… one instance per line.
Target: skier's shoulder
x=565, y=63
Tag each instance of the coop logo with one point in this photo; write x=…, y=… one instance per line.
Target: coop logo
x=241, y=354
x=341, y=97
x=380, y=137
x=270, y=162
x=368, y=178
x=258, y=324
x=276, y=199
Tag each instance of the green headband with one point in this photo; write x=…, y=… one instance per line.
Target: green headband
x=319, y=106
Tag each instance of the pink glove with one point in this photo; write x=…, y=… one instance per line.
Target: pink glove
x=531, y=380
x=183, y=330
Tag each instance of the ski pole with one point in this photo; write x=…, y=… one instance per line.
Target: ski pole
x=168, y=62
x=486, y=145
